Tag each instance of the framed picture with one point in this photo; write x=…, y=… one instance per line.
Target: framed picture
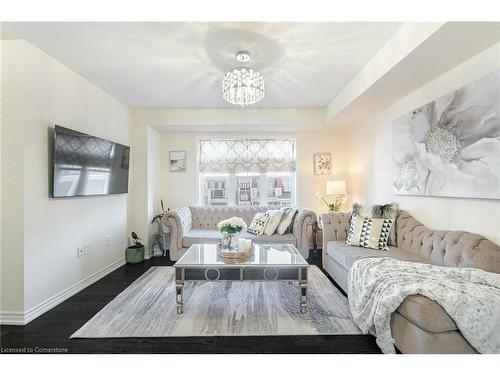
x=449, y=147
x=177, y=161
x=322, y=163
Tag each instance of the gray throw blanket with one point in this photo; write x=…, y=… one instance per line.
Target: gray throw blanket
x=377, y=286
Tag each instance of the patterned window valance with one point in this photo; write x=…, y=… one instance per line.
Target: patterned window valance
x=247, y=155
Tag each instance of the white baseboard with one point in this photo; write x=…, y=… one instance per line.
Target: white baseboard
x=22, y=318
x=15, y=318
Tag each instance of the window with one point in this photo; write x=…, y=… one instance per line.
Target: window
x=247, y=172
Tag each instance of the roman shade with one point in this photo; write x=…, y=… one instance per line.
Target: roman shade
x=247, y=155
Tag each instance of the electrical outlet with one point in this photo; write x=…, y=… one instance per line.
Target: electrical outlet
x=107, y=240
x=80, y=251
x=86, y=248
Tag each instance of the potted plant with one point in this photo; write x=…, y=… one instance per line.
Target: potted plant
x=135, y=252
x=229, y=229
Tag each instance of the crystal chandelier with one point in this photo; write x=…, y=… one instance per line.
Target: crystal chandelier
x=243, y=86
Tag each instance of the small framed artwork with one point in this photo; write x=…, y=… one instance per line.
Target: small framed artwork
x=177, y=161
x=322, y=163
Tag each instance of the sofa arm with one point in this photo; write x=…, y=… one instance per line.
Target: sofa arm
x=180, y=221
x=334, y=225
x=303, y=219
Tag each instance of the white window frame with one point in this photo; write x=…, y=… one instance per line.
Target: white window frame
x=231, y=201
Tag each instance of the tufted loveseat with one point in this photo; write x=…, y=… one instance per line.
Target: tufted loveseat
x=198, y=224
x=419, y=325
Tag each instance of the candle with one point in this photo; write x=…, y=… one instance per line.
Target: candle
x=248, y=244
x=241, y=244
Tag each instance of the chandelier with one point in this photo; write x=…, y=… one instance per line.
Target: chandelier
x=243, y=86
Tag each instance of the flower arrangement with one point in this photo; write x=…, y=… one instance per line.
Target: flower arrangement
x=335, y=206
x=232, y=225
x=229, y=228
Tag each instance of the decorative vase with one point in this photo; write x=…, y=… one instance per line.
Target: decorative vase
x=230, y=240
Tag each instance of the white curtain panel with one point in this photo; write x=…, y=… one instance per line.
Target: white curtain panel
x=247, y=155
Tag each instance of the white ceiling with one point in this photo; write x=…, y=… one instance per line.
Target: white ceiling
x=180, y=65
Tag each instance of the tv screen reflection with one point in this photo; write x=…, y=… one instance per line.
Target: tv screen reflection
x=88, y=165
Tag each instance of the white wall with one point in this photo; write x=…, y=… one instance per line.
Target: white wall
x=151, y=181
x=154, y=172
x=41, y=92
x=369, y=158
x=144, y=181
x=179, y=188
x=12, y=237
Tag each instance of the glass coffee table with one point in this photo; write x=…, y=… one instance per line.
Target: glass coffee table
x=278, y=262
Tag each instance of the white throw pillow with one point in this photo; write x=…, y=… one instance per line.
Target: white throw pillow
x=286, y=220
x=273, y=222
x=258, y=224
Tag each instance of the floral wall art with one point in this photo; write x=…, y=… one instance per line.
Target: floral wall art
x=451, y=146
x=322, y=163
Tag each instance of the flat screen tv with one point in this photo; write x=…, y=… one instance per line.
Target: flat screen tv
x=87, y=165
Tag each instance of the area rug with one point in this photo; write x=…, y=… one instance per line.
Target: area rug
x=147, y=309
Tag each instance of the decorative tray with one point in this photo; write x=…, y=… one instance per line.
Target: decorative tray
x=233, y=253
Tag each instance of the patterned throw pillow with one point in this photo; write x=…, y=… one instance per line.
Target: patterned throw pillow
x=273, y=222
x=258, y=223
x=369, y=232
x=286, y=220
x=380, y=211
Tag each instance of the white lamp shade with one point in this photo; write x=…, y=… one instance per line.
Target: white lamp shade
x=336, y=187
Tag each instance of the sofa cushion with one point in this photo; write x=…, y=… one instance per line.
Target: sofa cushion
x=346, y=255
x=273, y=222
x=275, y=238
x=286, y=220
x=426, y=314
x=196, y=236
x=410, y=338
x=420, y=310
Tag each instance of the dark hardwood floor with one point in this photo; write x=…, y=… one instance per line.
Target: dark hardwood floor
x=50, y=332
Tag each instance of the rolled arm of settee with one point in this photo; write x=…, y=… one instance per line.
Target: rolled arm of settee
x=334, y=225
x=179, y=220
x=303, y=219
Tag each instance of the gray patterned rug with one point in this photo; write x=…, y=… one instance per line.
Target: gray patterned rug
x=147, y=309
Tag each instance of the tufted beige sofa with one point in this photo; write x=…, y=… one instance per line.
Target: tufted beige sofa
x=198, y=224
x=419, y=325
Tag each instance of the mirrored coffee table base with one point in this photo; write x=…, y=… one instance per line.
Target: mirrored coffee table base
x=269, y=263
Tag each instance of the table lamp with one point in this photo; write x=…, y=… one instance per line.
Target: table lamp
x=336, y=188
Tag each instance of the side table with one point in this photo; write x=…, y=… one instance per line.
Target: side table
x=315, y=229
